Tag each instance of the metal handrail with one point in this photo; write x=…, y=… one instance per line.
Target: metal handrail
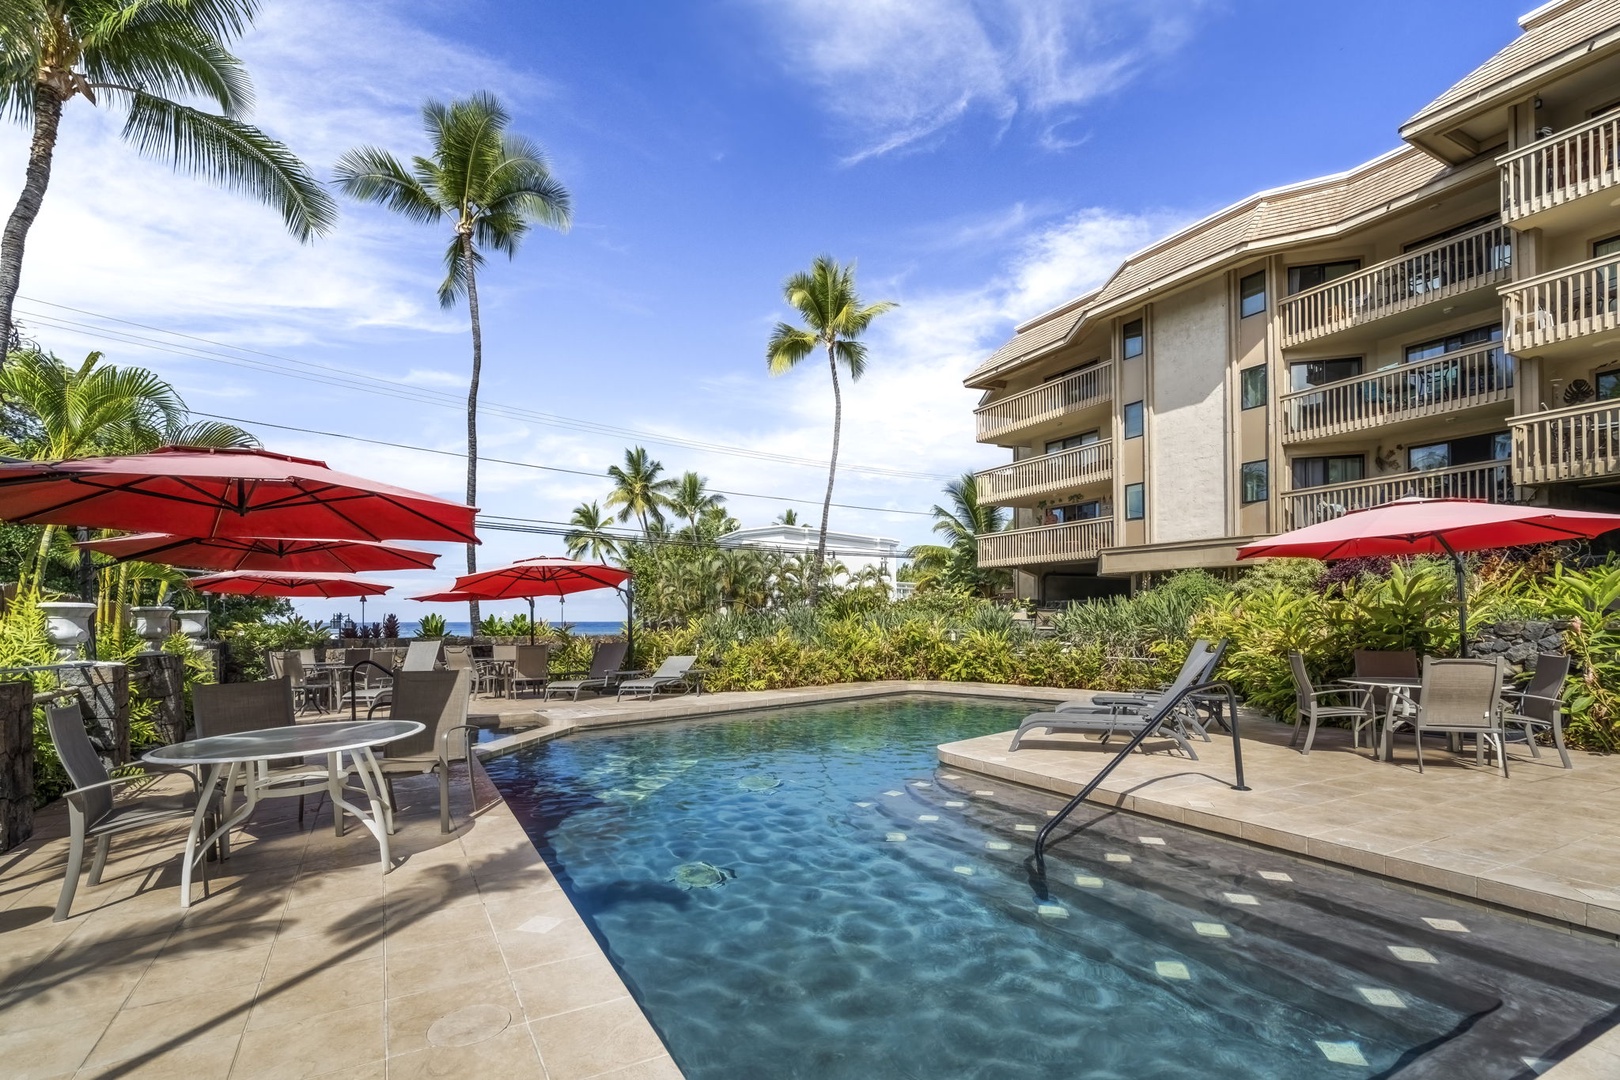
x=1154, y=722
x=354, y=699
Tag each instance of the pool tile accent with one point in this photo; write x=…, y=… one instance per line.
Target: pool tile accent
x=1171, y=969
x=865, y=805
x=1021, y=827
x=1211, y=929
x=921, y=783
x=927, y=817
x=997, y=845
x=540, y=924
x=1450, y=926
x=1413, y=955
x=1052, y=911
x=965, y=871
x=1342, y=1053
x=894, y=837
x=894, y=794
x=1240, y=898
x=1384, y=999
x=1114, y=856
x=983, y=791
x=1152, y=841
x=1086, y=881
x=955, y=804
x=1275, y=875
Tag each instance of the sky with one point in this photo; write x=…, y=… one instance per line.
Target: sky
x=981, y=160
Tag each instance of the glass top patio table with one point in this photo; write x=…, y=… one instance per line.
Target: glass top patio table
x=284, y=742
x=1396, y=685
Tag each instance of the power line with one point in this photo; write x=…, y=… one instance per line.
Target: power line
x=348, y=378
x=543, y=527
x=534, y=465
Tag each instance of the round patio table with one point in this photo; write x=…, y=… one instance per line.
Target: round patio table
x=1398, y=686
x=256, y=749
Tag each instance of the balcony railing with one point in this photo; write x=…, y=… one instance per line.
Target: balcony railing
x=1308, y=506
x=1456, y=265
x=1048, y=401
x=1562, y=168
x=1459, y=380
x=1062, y=471
x=1071, y=542
x=1578, y=443
x=1574, y=302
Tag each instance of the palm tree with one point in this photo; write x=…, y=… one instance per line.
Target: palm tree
x=590, y=534
x=956, y=562
x=492, y=185
x=787, y=517
x=638, y=492
x=834, y=318
x=691, y=497
x=143, y=56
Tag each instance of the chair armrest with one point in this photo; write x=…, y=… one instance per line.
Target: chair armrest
x=1360, y=692
x=629, y=673
x=1519, y=697
x=75, y=796
x=444, y=741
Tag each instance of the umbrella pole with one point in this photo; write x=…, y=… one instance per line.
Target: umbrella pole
x=628, y=592
x=1462, y=596
x=531, y=620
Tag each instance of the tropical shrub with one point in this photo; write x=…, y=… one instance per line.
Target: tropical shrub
x=246, y=644
x=430, y=626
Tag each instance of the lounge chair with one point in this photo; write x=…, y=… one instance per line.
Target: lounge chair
x=603, y=676
x=1108, y=721
x=92, y=813
x=1541, y=704
x=1197, y=655
x=674, y=671
x=438, y=701
x=532, y=666
x=1459, y=697
x=1335, y=703
x=1203, y=658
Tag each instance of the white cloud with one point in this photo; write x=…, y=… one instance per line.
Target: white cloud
x=897, y=72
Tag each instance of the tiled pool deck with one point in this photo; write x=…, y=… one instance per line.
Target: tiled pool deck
x=468, y=960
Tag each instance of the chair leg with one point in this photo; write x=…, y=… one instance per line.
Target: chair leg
x=1417, y=742
x=444, y=796
x=1530, y=737
x=1558, y=741
x=99, y=863
x=75, y=863
x=1310, y=737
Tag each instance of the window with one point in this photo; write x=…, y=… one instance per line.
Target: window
x=1133, y=420
x=1070, y=371
x=1252, y=386
x=1611, y=246
x=1311, y=275
x=1132, y=343
x=1312, y=472
x=1608, y=384
x=1308, y=373
x=1457, y=230
x=1469, y=450
x=1086, y=511
x=1428, y=350
x=1255, y=475
x=1059, y=445
x=1134, y=510
x=1252, y=294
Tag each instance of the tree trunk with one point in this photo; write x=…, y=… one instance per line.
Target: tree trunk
x=88, y=591
x=16, y=763
x=47, y=118
x=472, y=410
x=832, y=471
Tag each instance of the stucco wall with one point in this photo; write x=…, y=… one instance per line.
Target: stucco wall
x=1187, y=440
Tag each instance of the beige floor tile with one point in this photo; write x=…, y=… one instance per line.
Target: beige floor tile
x=199, y=1058
x=662, y=1067
x=336, y=1039
x=456, y=961
x=410, y=1016
x=299, y=997
x=292, y=956
x=411, y=929
x=184, y=973
x=212, y=1013
x=342, y=920
x=595, y=1040
x=48, y=1050
x=524, y=949
x=509, y=1054
x=548, y=989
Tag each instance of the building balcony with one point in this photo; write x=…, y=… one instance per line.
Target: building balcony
x=1552, y=173
x=1446, y=384
x=1075, y=541
x=1579, y=443
x=1549, y=313
x=1490, y=481
x=1024, y=482
x=1441, y=271
x=1022, y=413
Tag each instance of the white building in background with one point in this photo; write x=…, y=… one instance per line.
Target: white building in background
x=854, y=551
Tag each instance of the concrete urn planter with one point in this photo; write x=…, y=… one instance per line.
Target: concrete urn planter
x=152, y=623
x=67, y=624
x=193, y=624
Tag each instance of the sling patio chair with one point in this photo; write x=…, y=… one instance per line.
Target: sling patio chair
x=603, y=676
x=532, y=667
x=1334, y=703
x=420, y=655
x=1205, y=658
x=675, y=671
x=232, y=708
x=312, y=690
x=1168, y=712
x=1540, y=705
x=438, y=701
x=1459, y=697
x=93, y=813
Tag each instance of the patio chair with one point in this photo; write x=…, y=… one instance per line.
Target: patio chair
x=603, y=676
x=533, y=665
x=1196, y=657
x=674, y=671
x=1202, y=658
x=232, y=708
x=1335, y=703
x=496, y=673
x=1459, y=697
x=92, y=813
x=437, y=700
x=308, y=657
x=458, y=658
x=308, y=687
x=1541, y=704
x=421, y=655
x=1109, y=721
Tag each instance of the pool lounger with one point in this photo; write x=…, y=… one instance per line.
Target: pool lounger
x=1102, y=722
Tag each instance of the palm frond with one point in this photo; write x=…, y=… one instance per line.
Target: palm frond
x=216, y=434
x=458, y=271
x=853, y=356
x=788, y=345
x=236, y=155
x=371, y=174
x=169, y=58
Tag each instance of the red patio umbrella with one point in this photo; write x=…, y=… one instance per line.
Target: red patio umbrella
x=207, y=493
x=449, y=596
x=267, y=583
x=1433, y=527
x=547, y=576
x=263, y=553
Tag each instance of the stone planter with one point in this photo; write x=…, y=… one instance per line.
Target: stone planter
x=67, y=624
x=152, y=623
x=193, y=624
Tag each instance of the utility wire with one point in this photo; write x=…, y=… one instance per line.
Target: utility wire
x=348, y=378
x=532, y=464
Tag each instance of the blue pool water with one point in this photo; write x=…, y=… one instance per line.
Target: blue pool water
x=806, y=893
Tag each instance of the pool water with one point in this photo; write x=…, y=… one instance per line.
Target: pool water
x=807, y=893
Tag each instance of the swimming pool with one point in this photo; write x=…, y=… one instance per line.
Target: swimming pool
x=807, y=893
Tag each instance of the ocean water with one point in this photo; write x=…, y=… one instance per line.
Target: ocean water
x=807, y=893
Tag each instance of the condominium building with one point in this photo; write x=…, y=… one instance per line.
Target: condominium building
x=1440, y=321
